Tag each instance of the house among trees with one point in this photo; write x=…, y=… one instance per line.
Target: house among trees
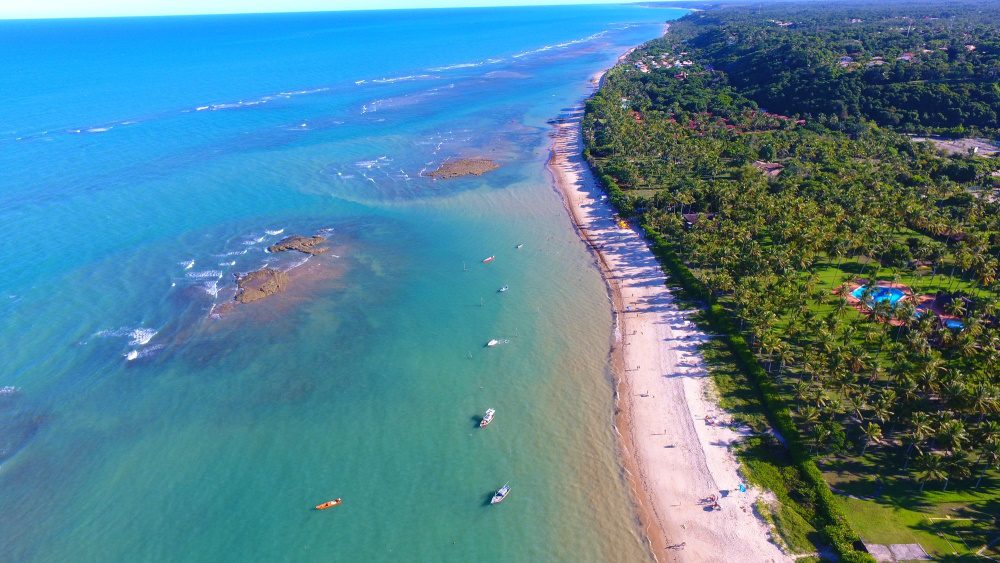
x=692, y=219
x=770, y=169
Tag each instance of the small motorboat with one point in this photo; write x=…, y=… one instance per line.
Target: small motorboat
x=329, y=504
x=487, y=418
x=489, y=259
x=493, y=342
x=503, y=289
x=520, y=246
x=500, y=494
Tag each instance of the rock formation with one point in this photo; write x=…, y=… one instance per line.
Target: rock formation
x=260, y=284
x=308, y=245
x=464, y=167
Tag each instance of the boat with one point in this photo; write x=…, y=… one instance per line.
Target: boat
x=489, y=259
x=493, y=342
x=520, y=246
x=500, y=494
x=329, y=504
x=503, y=289
x=487, y=418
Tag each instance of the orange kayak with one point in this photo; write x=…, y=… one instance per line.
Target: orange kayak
x=329, y=504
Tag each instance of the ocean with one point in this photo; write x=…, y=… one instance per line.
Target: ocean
x=146, y=161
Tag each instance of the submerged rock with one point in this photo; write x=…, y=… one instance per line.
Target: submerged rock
x=260, y=284
x=308, y=245
x=464, y=167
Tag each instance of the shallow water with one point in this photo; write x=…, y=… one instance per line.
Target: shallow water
x=148, y=160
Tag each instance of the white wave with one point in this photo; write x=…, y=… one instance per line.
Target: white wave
x=254, y=241
x=141, y=336
x=204, y=275
x=360, y=82
x=98, y=129
x=561, y=45
x=301, y=262
x=135, y=354
x=201, y=108
x=403, y=78
x=275, y=232
x=211, y=288
x=188, y=264
x=8, y=390
x=234, y=253
x=227, y=264
x=374, y=163
x=304, y=92
x=456, y=66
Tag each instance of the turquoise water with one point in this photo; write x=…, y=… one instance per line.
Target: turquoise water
x=148, y=160
x=880, y=294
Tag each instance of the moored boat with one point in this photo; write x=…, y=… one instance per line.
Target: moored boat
x=329, y=504
x=520, y=246
x=503, y=289
x=489, y=259
x=501, y=494
x=487, y=418
x=493, y=342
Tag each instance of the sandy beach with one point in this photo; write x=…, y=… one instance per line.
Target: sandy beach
x=674, y=439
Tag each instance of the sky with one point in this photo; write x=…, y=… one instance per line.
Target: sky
x=101, y=8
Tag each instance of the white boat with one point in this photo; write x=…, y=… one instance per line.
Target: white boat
x=487, y=418
x=520, y=246
x=493, y=342
x=500, y=494
x=503, y=289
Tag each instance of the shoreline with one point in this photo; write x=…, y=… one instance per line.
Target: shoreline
x=673, y=452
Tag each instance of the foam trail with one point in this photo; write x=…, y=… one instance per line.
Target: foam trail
x=141, y=336
x=204, y=275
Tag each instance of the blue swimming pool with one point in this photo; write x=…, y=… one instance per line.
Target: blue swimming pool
x=880, y=294
x=954, y=324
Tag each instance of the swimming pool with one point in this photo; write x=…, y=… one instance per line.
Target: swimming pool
x=954, y=324
x=880, y=294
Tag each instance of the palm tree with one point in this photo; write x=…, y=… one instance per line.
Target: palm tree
x=932, y=468
x=991, y=456
x=920, y=430
x=873, y=433
x=952, y=434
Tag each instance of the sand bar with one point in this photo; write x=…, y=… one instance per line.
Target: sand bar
x=674, y=452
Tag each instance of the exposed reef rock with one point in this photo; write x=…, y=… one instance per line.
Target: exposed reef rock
x=464, y=167
x=260, y=284
x=307, y=245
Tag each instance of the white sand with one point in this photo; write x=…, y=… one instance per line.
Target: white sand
x=673, y=457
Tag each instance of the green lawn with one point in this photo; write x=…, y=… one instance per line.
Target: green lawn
x=951, y=538
x=950, y=525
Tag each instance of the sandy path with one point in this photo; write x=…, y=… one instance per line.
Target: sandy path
x=674, y=458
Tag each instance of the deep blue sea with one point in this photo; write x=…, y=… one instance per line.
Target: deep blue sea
x=144, y=162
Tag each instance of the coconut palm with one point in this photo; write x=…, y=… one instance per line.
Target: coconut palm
x=920, y=430
x=991, y=459
x=931, y=468
x=872, y=433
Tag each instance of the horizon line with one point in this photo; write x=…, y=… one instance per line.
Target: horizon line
x=348, y=10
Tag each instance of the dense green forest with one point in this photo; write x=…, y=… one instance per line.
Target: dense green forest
x=766, y=146
x=917, y=67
